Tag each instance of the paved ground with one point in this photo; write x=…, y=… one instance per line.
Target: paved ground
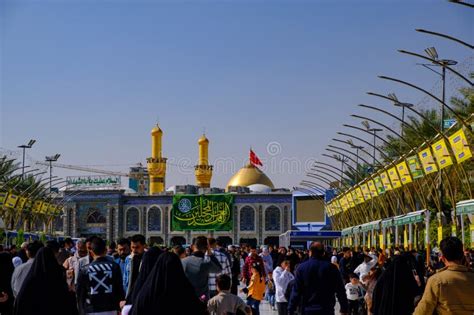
x=265, y=308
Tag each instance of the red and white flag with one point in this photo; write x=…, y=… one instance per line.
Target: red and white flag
x=254, y=160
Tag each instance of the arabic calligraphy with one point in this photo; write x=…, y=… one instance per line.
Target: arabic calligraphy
x=203, y=212
x=94, y=181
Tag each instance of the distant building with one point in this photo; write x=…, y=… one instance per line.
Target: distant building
x=260, y=212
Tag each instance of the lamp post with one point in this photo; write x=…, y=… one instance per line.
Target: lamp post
x=431, y=51
x=51, y=159
x=443, y=63
x=403, y=106
x=24, y=147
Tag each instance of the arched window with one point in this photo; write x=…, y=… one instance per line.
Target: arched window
x=154, y=219
x=132, y=219
x=272, y=219
x=247, y=219
x=94, y=216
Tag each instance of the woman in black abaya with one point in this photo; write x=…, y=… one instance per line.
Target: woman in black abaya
x=396, y=288
x=6, y=294
x=167, y=291
x=148, y=262
x=45, y=291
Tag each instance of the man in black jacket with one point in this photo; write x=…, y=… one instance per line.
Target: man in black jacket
x=99, y=285
x=317, y=283
x=346, y=264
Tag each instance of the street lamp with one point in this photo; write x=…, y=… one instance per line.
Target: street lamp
x=397, y=103
x=343, y=161
x=431, y=51
x=393, y=98
x=24, y=147
x=51, y=159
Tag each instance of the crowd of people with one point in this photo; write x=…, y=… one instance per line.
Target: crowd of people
x=131, y=278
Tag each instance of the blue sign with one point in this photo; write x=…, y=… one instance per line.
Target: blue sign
x=447, y=123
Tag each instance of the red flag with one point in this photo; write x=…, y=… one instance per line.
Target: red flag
x=254, y=160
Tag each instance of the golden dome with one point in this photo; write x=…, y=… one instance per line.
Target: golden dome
x=156, y=130
x=203, y=139
x=249, y=175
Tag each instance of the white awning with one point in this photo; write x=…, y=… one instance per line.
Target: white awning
x=465, y=207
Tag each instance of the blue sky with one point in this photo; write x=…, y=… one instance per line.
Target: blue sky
x=89, y=79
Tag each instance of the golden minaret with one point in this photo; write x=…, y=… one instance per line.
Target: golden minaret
x=156, y=163
x=203, y=170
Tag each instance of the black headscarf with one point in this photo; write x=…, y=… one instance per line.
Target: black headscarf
x=45, y=291
x=6, y=272
x=165, y=289
x=149, y=260
x=396, y=288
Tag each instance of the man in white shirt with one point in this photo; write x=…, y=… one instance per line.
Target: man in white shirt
x=282, y=276
x=370, y=260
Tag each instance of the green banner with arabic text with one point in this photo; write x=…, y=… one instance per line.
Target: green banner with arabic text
x=202, y=212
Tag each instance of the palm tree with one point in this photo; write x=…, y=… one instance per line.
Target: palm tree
x=464, y=103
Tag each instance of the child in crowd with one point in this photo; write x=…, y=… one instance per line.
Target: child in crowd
x=354, y=292
x=256, y=289
x=224, y=302
x=270, y=294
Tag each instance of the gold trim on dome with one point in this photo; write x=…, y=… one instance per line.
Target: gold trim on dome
x=249, y=175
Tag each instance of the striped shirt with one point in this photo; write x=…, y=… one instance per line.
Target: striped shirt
x=226, y=270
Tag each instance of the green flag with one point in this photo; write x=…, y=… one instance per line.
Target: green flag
x=202, y=212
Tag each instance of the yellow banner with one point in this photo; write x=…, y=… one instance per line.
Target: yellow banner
x=51, y=209
x=392, y=173
x=360, y=195
x=460, y=147
x=385, y=181
x=354, y=197
x=405, y=238
x=21, y=203
x=328, y=209
x=37, y=206
x=404, y=173
x=453, y=229
x=344, y=203
x=3, y=197
x=372, y=188
x=44, y=207
x=11, y=201
x=365, y=191
x=337, y=205
x=350, y=200
x=441, y=153
x=427, y=161
x=440, y=233
x=381, y=244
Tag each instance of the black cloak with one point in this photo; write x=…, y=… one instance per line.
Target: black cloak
x=167, y=291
